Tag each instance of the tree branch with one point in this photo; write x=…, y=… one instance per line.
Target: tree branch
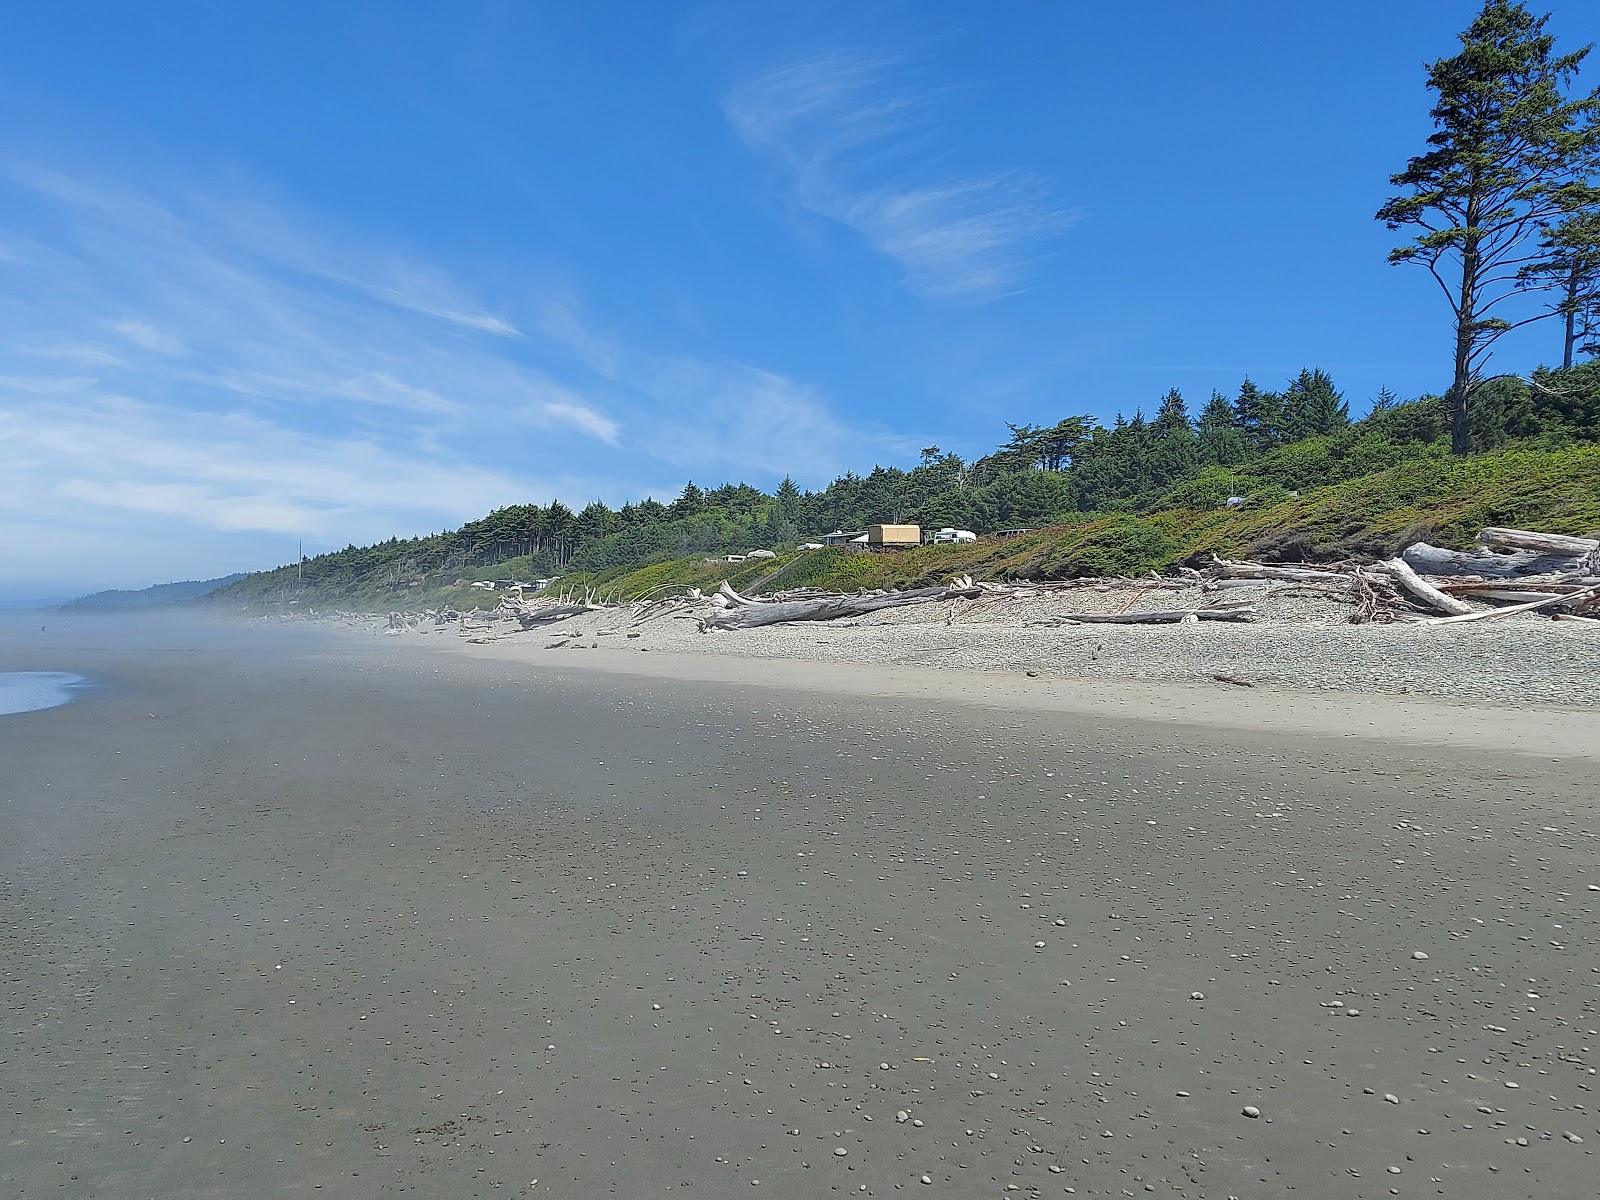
x=1445, y=288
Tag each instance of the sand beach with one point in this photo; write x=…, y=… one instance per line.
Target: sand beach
x=290, y=913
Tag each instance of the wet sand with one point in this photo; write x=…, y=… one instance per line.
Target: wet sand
x=288, y=915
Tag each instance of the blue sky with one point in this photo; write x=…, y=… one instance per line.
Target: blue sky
x=341, y=272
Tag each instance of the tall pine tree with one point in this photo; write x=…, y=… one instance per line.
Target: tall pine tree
x=1502, y=157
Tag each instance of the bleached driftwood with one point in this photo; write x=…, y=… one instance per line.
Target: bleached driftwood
x=747, y=613
x=1530, y=606
x=1514, y=564
x=1161, y=616
x=1505, y=592
x=1227, y=569
x=530, y=615
x=1401, y=572
x=1544, y=543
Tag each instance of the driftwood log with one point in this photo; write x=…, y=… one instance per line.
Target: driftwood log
x=1226, y=569
x=1162, y=616
x=1530, y=606
x=1511, y=593
x=1400, y=571
x=528, y=616
x=745, y=613
x=1545, y=543
x=1435, y=560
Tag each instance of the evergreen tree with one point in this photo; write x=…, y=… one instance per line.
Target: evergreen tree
x=1174, y=451
x=593, y=523
x=1172, y=415
x=1571, y=268
x=1259, y=416
x=1220, y=440
x=788, y=498
x=1312, y=407
x=689, y=502
x=1060, y=442
x=1022, y=453
x=1500, y=162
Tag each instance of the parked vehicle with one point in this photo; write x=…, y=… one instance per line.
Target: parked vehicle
x=947, y=535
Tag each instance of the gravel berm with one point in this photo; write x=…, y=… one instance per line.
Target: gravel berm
x=1300, y=642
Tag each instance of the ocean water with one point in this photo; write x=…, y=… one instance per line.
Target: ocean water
x=29, y=691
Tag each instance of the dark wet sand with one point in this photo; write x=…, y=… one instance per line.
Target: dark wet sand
x=296, y=918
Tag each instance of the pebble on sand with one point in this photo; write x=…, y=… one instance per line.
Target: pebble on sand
x=840, y=1151
x=1419, y=955
x=1250, y=1110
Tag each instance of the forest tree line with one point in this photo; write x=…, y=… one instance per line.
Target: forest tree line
x=1254, y=445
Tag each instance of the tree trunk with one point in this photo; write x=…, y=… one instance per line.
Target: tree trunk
x=1570, y=310
x=1466, y=317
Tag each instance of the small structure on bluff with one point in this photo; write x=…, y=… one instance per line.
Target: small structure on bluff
x=876, y=537
x=889, y=536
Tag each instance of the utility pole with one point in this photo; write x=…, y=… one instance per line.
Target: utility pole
x=299, y=565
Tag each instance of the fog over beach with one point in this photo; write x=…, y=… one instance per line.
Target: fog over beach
x=284, y=911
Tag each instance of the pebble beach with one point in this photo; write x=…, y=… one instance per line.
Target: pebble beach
x=1301, y=642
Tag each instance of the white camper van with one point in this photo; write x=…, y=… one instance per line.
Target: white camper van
x=954, y=535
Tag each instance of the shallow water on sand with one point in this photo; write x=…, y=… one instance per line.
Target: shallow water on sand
x=29, y=691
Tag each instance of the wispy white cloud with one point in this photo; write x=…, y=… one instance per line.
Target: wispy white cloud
x=210, y=297
x=179, y=369
x=228, y=471
x=731, y=417
x=857, y=143
x=715, y=417
x=147, y=337
x=172, y=375
x=580, y=416
x=406, y=289
x=82, y=354
x=115, y=464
